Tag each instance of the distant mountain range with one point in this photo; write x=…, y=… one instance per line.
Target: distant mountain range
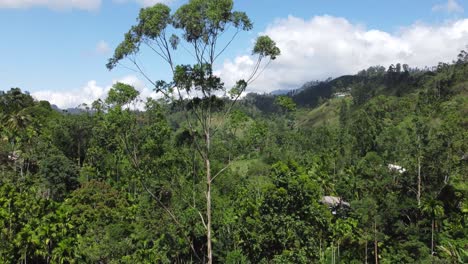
x=73, y=111
x=280, y=92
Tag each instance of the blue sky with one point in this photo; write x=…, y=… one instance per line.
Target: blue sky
x=55, y=49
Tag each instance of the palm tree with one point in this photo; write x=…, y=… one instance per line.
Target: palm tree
x=3, y=134
x=434, y=209
x=14, y=129
x=455, y=254
x=16, y=123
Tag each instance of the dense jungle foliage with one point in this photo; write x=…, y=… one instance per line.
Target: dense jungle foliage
x=114, y=184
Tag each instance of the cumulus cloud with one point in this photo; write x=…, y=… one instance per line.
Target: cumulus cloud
x=91, y=92
x=145, y=3
x=327, y=46
x=102, y=48
x=72, y=98
x=53, y=4
x=452, y=6
x=152, y=2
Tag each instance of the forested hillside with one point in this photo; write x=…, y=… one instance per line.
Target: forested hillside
x=364, y=168
x=373, y=171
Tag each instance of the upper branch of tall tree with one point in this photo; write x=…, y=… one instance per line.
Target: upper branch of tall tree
x=208, y=28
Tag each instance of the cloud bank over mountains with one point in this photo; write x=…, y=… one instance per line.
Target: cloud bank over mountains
x=327, y=46
x=91, y=92
x=315, y=49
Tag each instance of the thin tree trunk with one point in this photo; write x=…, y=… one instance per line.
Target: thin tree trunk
x=432, y=239
x=338, y=249
x=334, y=167
x=208, y=199
x=365, y=261
x=320, y=250
x=418, y=195
x=79, y=154
x=208, y=211
x=376, y=246
x=9, y=225
x=333, y=254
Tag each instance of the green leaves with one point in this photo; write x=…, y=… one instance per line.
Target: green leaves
x=121, y=94
x=433, y=208
x=60, y=175
x=174, y=40
x=266, y=47
x=129, y=46
x=289, y=221
x=241, y=20
x=202, y=19
x=261, y=212
x=197, y=77
x=153, y=20
x=286, y=103
x=238, y=89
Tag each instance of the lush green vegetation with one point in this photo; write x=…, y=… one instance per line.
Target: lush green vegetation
x=114, y=184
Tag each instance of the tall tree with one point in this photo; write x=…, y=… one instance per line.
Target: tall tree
x=203, y=24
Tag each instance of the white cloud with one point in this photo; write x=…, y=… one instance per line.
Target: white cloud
x=152, y=2
x=452, y=6
x=72, y=98
x=91, y=92
x=145, y=3
x=89, y=5
x=102, y=47
x=326, y=46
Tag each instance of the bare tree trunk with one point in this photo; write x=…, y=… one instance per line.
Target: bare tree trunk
x=432, y=239
x=376, y=246
x=418, y=195
x=9, y=225
x=338, y=249
x=333, y=254
x=208, y=211
x=79, y=154
x=208, y=199
x=366, y=253
x=321, y=253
